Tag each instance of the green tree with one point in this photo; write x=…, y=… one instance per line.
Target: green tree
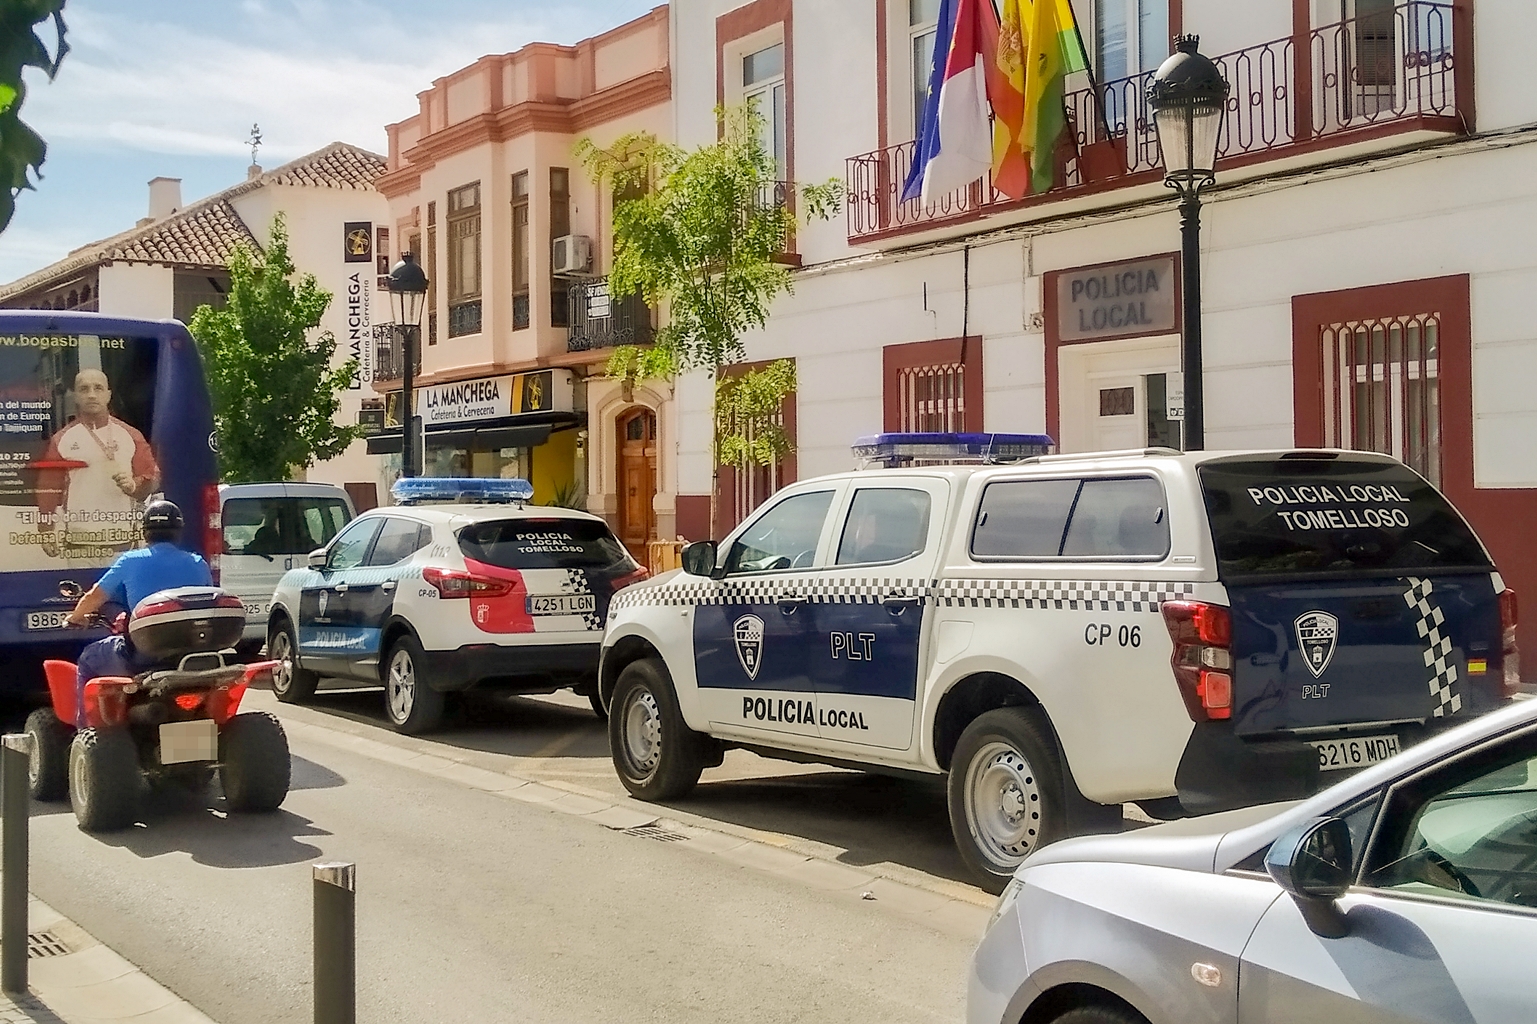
x=21, y=149
x=270, y=376
x=702, y=236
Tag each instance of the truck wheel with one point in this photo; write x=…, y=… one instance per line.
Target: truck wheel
x=290, y=683
x=254, y=765
x=411, y=703
x=597, y=707
x=657, y=756
x=104, y=780
x=1005, y=793
x=48, y=767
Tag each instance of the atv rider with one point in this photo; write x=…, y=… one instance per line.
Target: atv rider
x=159, y=565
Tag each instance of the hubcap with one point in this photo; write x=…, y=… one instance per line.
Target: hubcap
x=400, y=687
x=35, y=760
x=1003, y=804
x=642, y=732
x=79, y=791
x=283, y=653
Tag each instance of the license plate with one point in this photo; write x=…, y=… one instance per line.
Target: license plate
x=181, y=742
x=1354, y=752
x=46, y=620
x=257, y=608
x=562, y=604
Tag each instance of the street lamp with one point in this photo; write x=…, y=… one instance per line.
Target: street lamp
x=408, y=289
x=1188, y=97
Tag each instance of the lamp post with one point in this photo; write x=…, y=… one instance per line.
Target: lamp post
x=1188, y=97
x=408, y=289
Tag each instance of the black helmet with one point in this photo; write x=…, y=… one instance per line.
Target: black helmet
x=163, y=519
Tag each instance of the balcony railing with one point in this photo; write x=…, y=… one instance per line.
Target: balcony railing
x=390, y=353
x=1379, y=74
x=598, y=321
x=464, y=318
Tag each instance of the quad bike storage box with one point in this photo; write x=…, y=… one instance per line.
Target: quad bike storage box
x=186, y=620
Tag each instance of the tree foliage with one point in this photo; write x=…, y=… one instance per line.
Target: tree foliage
x=700, y=234
x=275, y=393
x=21, y=149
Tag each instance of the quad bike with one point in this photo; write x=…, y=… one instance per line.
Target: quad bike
x=175, y=724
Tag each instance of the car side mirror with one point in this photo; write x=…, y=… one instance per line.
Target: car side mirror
x=699, y=559
x=1312, y=863
x=318, y=558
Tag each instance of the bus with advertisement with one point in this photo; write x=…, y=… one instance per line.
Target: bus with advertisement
x=98, y=415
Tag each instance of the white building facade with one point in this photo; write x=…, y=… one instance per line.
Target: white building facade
x=1364, y=255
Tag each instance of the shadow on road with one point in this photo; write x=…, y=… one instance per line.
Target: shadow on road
x=216, y=839
x=307, y=774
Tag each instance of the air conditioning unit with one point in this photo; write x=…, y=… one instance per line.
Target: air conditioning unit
x=573, y=254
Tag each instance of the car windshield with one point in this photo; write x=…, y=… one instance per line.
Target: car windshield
x=542, y=544
x=1308, y=516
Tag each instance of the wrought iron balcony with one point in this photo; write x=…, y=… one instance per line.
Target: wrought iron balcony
x=598, y=321
x=390, y=353
x=464, y=318
x=1381, y=74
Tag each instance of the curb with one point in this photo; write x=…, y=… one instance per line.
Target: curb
x=74, y=979
x=950, y=907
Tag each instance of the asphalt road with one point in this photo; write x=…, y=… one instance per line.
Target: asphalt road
x=474, y=907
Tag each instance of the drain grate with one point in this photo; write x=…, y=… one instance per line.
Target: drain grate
x=661, y=835
x=41, y=944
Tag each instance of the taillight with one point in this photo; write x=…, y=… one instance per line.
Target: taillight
x=640, y=573
x=1202, y=658
x=213, y=529
x=106, y=703
x=456, y=583
x=1510, y=655
x=189, y=701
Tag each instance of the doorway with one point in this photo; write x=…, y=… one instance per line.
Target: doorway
x=636, y=430
x=1115, y=395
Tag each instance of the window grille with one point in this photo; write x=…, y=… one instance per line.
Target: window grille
x=932, y=398
x=1382, y=389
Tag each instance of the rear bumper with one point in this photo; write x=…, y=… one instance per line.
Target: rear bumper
x=532, y=668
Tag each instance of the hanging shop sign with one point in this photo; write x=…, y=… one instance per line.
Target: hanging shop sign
x=1118, y=300
x=487, y=398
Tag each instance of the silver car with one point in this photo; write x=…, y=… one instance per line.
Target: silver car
x=1407, y=892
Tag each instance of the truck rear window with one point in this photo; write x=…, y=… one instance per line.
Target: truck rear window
x=1290, y=516
x=542, y=544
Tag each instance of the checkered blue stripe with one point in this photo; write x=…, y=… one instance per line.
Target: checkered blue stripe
x=1438, y=647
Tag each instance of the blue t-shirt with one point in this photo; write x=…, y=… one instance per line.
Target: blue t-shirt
x=144, y=571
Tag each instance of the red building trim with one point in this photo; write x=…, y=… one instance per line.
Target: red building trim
x=967, y=351
x=744, y=21
x=1502, y=516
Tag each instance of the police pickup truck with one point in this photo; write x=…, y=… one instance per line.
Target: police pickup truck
x=1190, y=631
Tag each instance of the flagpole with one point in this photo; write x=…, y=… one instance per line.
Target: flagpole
x=1088, y=69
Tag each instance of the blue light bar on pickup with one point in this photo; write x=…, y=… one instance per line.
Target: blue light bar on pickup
x=451, y=490
x=893, y=450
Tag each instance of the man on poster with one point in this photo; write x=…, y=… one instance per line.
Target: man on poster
x=99, y=469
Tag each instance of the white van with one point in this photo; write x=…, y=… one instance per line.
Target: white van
x=268, y=530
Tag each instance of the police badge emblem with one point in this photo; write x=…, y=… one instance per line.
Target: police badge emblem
x=322, y=601
x=1316, y=634
x=748, y=634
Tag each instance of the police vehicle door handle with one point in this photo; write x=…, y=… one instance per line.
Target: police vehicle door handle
x=790, y=603
x=341, y=588
x=387, y=585
x=896, y=604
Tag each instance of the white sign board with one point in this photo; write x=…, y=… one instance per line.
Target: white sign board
x=1174, y=396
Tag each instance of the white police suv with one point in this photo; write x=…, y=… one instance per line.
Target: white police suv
x=1067, y=632
x=460, y=585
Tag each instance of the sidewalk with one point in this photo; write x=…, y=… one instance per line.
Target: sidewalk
x=74, y=979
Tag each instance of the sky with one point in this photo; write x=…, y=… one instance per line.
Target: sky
x=172, y=87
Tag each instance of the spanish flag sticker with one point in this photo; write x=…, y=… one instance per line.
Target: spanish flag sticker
x=1477, y=666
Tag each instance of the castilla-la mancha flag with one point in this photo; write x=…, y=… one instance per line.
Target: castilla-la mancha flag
x=955, y=145
x=1011, y=154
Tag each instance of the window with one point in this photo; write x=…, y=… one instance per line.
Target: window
x=398, y=540
x=280, y=526
x=1130, y=37
x=352, y=544
x=432, y=273
x=933, y=386
x=521, y=271
x=885, y=524
x=1465, y=832
x=464, y=261
x=1118, y=401
x=543, y=544
x=1100, y=518
x=784, y=537
x=922, y=25
x=560, y=225
x=1277, y=517
x=763, y=86
x=1382, y=389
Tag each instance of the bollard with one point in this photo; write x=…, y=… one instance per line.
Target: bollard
x=335, y=943
x=15, y=756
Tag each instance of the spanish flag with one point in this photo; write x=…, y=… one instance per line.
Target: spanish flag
x=1011, y=161
x=1053, y=50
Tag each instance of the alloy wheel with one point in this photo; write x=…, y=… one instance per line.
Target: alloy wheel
x=282, y=652
x=1003, y=804
x=400, y=686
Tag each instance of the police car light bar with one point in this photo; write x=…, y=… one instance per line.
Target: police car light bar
x=430, y=490
x=893, y=450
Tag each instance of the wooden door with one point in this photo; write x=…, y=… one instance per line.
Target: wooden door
x=637, y=480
